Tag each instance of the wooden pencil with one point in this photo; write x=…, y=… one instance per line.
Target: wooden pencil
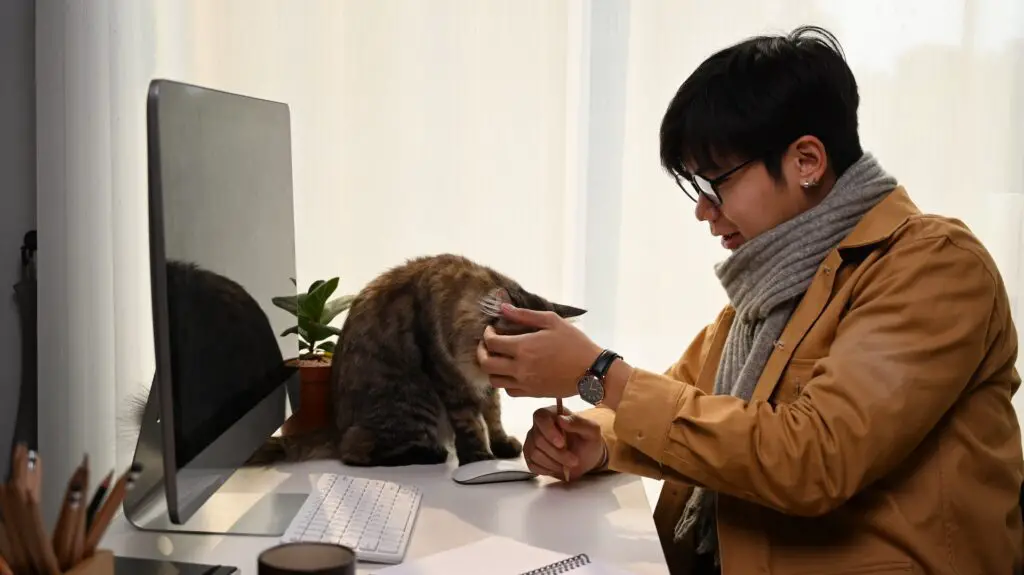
x=97, y=498
x=16, y=555
x=63, y=532
x=78, y=531
x=5, y=543
x=109, y=508
x=16, y=507
x=34, y=486
x=23, y=497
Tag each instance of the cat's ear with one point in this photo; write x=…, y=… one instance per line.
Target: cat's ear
x=500, y=295
x=567, y=311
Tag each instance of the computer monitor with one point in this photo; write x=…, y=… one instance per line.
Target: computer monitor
x=222, y=245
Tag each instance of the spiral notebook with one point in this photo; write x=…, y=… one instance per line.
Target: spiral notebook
x=502, y=556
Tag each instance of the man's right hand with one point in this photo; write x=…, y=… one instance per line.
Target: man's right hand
x=554, y=443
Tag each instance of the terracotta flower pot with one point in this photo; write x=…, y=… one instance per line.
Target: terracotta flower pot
x=314, y=397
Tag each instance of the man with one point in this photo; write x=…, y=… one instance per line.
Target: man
x=849, y=410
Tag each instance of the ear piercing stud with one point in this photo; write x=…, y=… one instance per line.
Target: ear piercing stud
x=809, y=184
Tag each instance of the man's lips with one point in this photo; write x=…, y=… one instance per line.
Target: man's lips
x=732, y=241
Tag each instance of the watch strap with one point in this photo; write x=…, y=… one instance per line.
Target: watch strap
x=603, y=363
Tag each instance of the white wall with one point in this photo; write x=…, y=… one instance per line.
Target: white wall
x=17, y=192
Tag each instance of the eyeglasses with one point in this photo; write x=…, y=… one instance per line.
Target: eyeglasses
x=702, y=186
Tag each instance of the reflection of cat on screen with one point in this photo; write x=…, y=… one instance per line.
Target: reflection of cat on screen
x=224, y=354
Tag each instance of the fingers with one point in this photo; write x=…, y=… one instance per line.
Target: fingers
x=544, y=423
x=494, y=365
x=580, y=426
x=499, y=344
x=510, y=386
x=541, y=463
x=558, y=457
x=544, y=458
x=537, y=319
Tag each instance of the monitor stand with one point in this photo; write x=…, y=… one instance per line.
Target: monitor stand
x=226, y=513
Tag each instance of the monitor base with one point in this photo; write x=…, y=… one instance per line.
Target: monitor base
x=255, y=514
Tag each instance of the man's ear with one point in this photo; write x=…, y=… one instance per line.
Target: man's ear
x=811, y=161
x=567, y=311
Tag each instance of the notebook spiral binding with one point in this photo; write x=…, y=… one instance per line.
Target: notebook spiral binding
x=563, y=566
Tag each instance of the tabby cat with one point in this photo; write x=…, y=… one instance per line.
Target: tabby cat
x=405, y=372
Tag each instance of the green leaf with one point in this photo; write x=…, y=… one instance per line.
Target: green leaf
x=314, y=285
x=293, y=329
x=315, y=330
x=334, y=307
x=327, y=346
x=312, y=307
x=289, y=303
x=293, y=282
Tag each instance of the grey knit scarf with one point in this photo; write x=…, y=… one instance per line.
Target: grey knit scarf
x=764, y=280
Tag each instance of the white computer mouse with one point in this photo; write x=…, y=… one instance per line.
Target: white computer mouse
x=492, y=471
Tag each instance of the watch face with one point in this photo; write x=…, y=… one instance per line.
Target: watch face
x=591, y=389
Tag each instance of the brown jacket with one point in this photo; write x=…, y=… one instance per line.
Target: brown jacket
x=880, y=437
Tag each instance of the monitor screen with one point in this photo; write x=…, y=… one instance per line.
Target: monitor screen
x=222, y=176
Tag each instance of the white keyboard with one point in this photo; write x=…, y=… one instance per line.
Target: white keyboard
x=373, y=517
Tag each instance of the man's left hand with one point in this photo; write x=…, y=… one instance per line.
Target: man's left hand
x=545, y=363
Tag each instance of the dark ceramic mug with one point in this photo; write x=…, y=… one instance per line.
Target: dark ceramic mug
x=307, y=558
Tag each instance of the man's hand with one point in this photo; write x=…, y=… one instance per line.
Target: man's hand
x=554, y=443
x=545, y=363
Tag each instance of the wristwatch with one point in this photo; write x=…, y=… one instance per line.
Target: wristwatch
x=591, y=385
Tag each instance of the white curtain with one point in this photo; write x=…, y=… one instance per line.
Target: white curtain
x=520, y=133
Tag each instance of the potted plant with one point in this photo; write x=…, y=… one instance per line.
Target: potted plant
x=314, y=310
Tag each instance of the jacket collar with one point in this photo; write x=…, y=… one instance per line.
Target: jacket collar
x=877, y=226
x=881, y=221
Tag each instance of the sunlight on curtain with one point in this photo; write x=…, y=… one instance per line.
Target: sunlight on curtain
x=417, y=128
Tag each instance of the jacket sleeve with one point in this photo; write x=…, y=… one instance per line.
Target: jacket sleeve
x=624, y=457
x=919, y=325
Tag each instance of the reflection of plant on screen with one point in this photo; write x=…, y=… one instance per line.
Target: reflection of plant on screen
x=314, y=311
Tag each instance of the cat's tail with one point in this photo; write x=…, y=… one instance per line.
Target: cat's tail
x=319, y=444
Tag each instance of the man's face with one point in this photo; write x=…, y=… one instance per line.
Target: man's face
x=753, y=202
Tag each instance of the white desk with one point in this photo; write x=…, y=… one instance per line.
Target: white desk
x=607, y=517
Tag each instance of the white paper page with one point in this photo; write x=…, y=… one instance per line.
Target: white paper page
x=494, y=556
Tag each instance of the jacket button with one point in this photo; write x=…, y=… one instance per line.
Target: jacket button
x=779, y=344
x=827, y=270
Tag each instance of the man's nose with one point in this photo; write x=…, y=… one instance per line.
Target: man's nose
x=705, y=210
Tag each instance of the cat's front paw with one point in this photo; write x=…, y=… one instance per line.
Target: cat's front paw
x=507, y=448
x=471, y=456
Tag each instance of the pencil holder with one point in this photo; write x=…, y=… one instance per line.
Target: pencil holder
x=101, y=563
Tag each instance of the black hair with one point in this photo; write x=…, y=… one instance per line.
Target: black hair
x=753, y=99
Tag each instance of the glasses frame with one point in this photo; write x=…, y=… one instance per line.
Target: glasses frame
x=705, y=187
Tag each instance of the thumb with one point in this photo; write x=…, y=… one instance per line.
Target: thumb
x=579, y=426
x=527, y=317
